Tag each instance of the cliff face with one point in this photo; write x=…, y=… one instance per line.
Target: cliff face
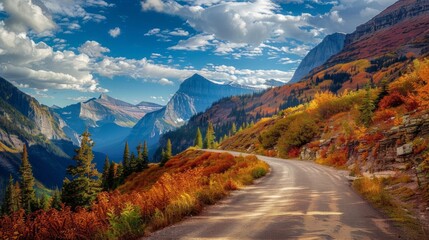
x=398, y=12
x=331, y=45
x=402, y=28
x=40, y=115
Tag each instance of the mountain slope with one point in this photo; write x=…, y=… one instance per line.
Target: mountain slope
x=24, y=121
x=195, y=95
x=105, y=117
x=331, y=45
x=359, y=63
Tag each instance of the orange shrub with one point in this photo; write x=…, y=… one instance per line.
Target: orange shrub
x=181, y=189
x=384, y=115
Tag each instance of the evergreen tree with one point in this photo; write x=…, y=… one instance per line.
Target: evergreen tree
x=210, y=138
x=111, y=177
x=145, y=155
x=104, y=176
x=133, y=163
x=166, y=154
x=44, y=202
x=118, y=176
x=233, y=128
x=140, y=164
x=126, y=161
x=8, y=205
x=28, y=195
x=367, y=108
x=56, y=199
x=84, y=186
x=199, y=139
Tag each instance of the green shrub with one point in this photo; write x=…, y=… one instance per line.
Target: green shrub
x=128, y=224
x=258, y=172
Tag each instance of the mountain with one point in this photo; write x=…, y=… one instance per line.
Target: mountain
x=105, y=117
x=195, y=95
x=331, y=45
x=274, y=83
x=23, y=120
x=364, y=59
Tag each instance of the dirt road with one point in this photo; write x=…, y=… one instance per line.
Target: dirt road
x=297, y=200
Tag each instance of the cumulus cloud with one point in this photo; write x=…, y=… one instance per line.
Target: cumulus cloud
x=346, y=15
x=37, y=65
x=198, y=42
x=93, y=49
x=115, y=32
x=250, y=22
x=24, y=15
x=75, y=8
x=165, y=81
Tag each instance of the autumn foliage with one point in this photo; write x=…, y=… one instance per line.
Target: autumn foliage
x=186, y=183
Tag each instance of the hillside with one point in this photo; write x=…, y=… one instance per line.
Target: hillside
x=365, y=58
x=381, y=132
x=150, y=200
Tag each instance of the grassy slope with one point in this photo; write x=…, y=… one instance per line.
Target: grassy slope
x=152, y=199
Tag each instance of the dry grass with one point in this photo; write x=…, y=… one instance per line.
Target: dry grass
x=374, y=190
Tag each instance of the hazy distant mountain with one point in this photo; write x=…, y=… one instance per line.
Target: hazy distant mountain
x=331, y=45
x=107, y=118
x=195, y=95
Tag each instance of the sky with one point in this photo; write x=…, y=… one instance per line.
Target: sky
x=65, y=51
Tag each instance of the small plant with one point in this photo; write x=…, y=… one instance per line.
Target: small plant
x=127, y=224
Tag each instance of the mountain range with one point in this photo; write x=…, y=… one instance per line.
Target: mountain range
x=195, y=95
x=105, y=117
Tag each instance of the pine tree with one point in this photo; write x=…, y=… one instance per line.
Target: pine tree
x=28, y=195
x=133, y=163
x=44, y=203
x=210, y=138
x=140, y=164
x=56, y=199
x=84, y=186
x=145, y=155
x=367, y=108
x=118, y=176
x=233, y=128
x=8, y=205
x=126, y=161
x=199, y=139
x=104, y=176
x=166, y=154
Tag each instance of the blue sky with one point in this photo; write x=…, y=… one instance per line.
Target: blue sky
x=64, y=51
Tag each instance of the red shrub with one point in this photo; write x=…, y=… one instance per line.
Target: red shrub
x=394, y=99
x=293, y=152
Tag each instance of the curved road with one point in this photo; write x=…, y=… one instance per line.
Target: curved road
x=297, y=200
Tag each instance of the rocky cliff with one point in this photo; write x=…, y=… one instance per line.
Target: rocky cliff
x=331, y=45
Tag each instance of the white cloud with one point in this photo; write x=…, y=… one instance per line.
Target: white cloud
x=78, y=99
x=24, y=15
x=251, y=22
x=346, y=15
x=152, y=32
x=93, y=49
x=37, y=65
x=165, y=81
x=75, y=8
x=198, y=42
x=115, y=32
x=179, y=32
